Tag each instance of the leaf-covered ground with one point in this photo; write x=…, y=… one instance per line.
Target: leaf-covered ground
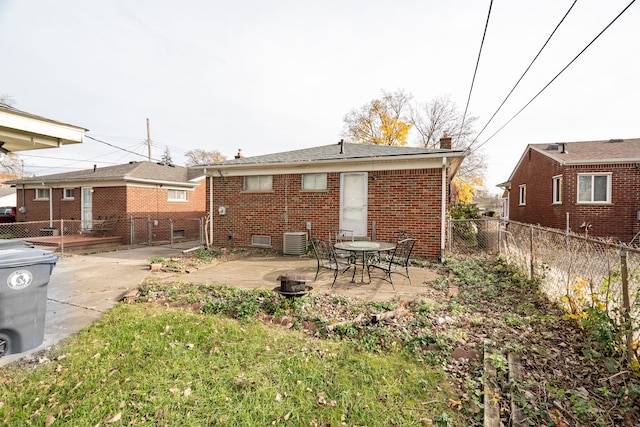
x=481, y=305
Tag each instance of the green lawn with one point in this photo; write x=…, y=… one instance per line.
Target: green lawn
x=143, y=364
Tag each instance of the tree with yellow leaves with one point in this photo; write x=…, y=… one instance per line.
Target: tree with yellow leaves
x=465, y=189
x=384, y=121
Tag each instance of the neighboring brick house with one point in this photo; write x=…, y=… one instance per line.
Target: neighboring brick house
x=374, y=190
x=134, y=190
x=590, y=186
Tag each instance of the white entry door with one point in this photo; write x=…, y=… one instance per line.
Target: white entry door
x=87, y=208
x=353, y=202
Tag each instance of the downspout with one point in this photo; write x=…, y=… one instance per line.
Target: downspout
x=210, y=210
x=50, y=207
x=443, y=219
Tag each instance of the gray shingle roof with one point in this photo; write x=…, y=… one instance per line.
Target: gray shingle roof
x=593, y=151
x=147, y=171
x=333, y=152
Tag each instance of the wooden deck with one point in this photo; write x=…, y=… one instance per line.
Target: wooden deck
x=74, y=242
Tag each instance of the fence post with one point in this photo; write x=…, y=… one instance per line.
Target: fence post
x=148, y=230
x=62, y=236
x=170, y=232
x=531, y=251
x=132, y=231
x=626, y=309
x=450, y=239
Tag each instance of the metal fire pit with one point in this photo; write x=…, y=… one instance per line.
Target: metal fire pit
x=292, y=284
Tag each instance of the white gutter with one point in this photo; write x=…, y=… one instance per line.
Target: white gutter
x=443, y=219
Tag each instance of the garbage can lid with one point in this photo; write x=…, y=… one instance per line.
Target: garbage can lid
x=23, y=256
x=13, y=243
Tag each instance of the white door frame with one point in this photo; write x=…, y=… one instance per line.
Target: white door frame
x=354, y=206
x=86, y=207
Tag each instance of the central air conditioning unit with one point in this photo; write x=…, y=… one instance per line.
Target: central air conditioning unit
x=294, y=243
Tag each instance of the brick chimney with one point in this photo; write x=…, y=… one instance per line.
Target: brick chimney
x=445, y=142
x=239, y=155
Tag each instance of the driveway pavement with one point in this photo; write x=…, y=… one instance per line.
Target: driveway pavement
x=84, y=287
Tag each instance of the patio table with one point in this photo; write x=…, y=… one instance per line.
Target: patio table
x=364, y=247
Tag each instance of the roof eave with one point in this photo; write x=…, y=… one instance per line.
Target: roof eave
x=213, y=168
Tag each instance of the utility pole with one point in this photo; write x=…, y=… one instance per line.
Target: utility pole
x=148, y=139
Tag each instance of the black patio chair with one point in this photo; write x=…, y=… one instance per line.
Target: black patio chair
x=396, y=262
x=343, y=236
x=327, y=259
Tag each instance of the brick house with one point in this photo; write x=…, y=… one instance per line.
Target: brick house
x=137, y=190
x=373, y=190
x=589, y=186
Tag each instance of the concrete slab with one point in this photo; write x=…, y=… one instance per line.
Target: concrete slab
x=263, y=272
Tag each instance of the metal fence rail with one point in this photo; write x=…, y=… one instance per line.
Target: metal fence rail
x=571, y=269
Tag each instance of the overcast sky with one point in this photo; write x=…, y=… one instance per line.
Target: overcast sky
x=278, y=75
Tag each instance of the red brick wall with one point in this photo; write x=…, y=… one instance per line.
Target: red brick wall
x=398, y=201
x=537, y=171
x=618, y=219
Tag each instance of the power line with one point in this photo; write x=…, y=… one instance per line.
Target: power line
x=113, y=146
x=556, y=76
x=523, y=74
x=486, y=25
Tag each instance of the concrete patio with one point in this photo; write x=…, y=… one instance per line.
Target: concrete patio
x=263, y=272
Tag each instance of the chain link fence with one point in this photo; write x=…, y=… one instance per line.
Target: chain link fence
x=148, y=231
x=61, y=235
x=571, y=269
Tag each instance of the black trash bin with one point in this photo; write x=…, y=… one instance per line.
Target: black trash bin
x=24, y=276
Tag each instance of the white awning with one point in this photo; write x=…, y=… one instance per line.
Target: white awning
x=21, y=131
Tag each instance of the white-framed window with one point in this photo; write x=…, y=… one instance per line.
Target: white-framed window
x=314, y=181
x=67, y=194
x=594, y=187
x=522, y=195
x=42, y=194
x=557, y=190
x=177, y=195
x=258, y=183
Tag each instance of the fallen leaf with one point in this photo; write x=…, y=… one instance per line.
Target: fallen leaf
x=50, y=420
x=278, y=397
x=115, y=418
x=174, y=389
x=322, y=399
x=454, y=403
x=160, y=413
x=187, y=391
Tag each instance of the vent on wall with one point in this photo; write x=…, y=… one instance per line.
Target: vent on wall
x=294, y=243
x=264, y=241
